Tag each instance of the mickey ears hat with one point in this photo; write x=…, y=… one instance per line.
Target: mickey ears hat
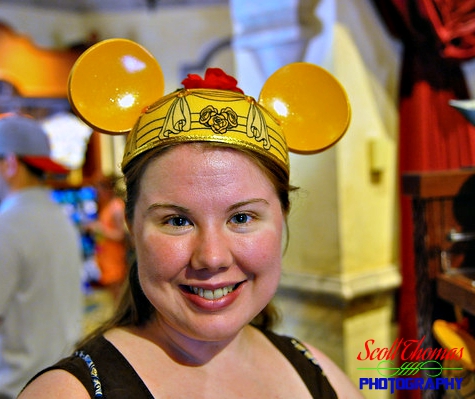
x=117, y=87
x=24, y=137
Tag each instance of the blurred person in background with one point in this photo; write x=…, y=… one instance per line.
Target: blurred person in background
x=110, y=234
x=40, y=259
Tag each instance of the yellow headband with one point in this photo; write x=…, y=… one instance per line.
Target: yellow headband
x=208, y=115
x=301, y=107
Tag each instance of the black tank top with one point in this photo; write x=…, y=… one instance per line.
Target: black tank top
x=105, y=372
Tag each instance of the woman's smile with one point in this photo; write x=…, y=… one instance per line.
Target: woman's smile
x=212, y=300
x=211, y=294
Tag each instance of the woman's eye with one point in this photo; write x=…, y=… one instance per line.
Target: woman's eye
x=241, y=218
x=178, y=221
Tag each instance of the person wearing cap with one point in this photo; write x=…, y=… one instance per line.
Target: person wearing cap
x=206, y=170
x=40, y=259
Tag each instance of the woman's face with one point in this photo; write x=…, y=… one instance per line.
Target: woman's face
x=207, y=230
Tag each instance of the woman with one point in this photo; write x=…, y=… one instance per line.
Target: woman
x=207, y=180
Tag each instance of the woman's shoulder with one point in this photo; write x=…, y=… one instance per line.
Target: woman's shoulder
x=303, y=362
x=73, y=374
x=318, y=371
x=55, y=384
x=344, y=387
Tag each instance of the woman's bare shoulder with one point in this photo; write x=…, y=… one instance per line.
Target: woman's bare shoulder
x=341, y=383
x=55, y=384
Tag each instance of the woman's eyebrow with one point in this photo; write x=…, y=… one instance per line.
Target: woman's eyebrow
x=247, y=202
x=177, y=208
x=182, y=209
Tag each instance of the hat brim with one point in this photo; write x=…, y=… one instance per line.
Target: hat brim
x=45, y=164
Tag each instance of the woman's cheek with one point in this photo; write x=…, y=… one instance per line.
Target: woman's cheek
x=264, y=253
x=148, y=246
x=162, y=253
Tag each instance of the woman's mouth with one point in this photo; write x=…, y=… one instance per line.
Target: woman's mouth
x=212, y=294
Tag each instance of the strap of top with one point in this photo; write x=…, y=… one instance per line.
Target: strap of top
x=96, y=382
x=305, y=363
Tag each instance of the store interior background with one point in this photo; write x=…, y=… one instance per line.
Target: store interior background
x=342, y=269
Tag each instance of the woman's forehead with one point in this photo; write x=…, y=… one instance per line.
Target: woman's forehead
x=200, y=160
x=196, y=167
x=194, y=157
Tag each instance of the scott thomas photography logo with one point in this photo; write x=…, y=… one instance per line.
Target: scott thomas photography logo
x=400, y=366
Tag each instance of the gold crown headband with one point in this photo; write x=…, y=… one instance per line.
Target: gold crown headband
x=115, y=84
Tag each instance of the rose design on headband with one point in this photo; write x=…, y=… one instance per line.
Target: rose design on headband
x=219, y=122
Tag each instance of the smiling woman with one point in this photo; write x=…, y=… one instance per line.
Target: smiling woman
x=207, y=180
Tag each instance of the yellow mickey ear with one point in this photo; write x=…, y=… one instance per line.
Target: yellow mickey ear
x=112, y=82
x=310, y=105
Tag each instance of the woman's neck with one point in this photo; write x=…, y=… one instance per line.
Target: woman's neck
x=187, y=350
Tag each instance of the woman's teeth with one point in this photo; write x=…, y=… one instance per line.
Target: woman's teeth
x=213, y=294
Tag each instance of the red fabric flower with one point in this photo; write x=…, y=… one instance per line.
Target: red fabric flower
x=215, y=78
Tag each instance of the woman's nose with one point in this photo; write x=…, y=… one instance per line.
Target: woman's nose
x=212, y=250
